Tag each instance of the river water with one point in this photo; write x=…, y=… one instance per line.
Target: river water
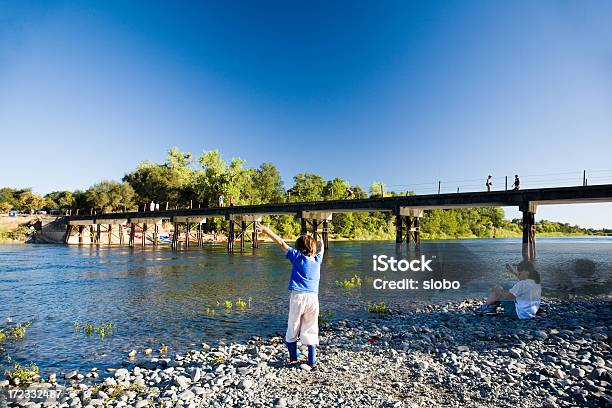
x=157, y=296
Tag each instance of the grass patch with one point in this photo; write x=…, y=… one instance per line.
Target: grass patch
x=102, y=330
x=355, y=281
x=378, y=308
x=241, y=304
x=18, y=331
x=24, y=374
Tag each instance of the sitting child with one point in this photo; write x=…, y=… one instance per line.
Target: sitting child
x=522, y=301
x=303, y=321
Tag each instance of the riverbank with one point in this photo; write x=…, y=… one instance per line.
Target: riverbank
x=437, y=356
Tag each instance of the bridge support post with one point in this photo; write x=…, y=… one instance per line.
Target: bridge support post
x=110, y=234
x=325, y=234
x=529, y=229
x=92, y=235
x=175, y=236
x=81, y=228
x=121, y=234
x=316, y=218
x=399, y=229
x=132, y=234
x=243, y=229
x=230, y=236
x=187, y=233
x=410, y=217
x=155, y=234
x=315, y=228
x=143, y=238
x=416, y=230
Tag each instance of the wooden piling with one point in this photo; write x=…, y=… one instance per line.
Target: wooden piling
x=325, y=233
x=187, y=233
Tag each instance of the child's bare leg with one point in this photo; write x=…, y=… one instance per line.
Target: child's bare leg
x=495, y=295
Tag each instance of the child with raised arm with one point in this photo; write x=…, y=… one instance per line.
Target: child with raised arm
x=303, y=321
x=522, y=301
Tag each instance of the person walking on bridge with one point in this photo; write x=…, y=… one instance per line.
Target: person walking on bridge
x=349, y=192
x=221, y=199
x=517, y=182
x=152, y=206
x=489, y=183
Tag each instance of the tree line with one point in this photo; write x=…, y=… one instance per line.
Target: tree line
x=184, y=181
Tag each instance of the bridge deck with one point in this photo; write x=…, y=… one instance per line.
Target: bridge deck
x=521, y=198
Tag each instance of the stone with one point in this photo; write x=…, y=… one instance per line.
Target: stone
x=4, y=383
x=71, y=375
x=305, y=367
x=280, y=402
x=245, y=384
x=148, y=351
x=196, y=374
x=182, y=381
x=463, y=349
x=122, y=372
x=186, y=395
x=132, y=354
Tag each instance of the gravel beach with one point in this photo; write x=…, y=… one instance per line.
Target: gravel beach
x=437, y=356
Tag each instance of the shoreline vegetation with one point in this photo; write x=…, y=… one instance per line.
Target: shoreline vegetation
x=436, y=355
x=183, y=181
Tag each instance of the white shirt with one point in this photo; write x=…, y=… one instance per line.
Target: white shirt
x=528, y=295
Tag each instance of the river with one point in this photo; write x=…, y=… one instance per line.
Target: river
x=157, y=296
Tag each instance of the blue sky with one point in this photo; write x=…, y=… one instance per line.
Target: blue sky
x=404, y=92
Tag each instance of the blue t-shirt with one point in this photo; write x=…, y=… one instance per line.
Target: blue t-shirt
x=305, y=271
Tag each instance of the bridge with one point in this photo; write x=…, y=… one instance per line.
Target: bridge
x=315, y=216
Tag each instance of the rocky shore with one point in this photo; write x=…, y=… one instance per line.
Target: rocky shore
x=437, y=356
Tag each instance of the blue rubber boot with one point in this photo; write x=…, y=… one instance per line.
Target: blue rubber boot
x=292, y=347
x=312, y=356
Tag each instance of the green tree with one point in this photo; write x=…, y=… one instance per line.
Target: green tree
x=60, y=199
x=111, y=196
x=5, y=206
x=307, y=187
x=378, y=189
x=335, y=189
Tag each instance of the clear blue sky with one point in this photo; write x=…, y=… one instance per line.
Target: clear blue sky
x=404, y=92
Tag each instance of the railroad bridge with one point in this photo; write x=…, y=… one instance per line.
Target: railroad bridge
x=315, y=216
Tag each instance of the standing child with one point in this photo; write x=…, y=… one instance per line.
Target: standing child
x=303, y=321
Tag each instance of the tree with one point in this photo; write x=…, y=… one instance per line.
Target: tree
x=30, y=201
x=171, y=181
x=307, y=187
x=60, y=199
x=335, y=189
x=111, y=196
x=377, y=189
x=266, y=180
x=5, y=206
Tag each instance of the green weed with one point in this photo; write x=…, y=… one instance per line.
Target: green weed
x=379, y=307
x=241, y=304
x=24, y=374
x=355, y=281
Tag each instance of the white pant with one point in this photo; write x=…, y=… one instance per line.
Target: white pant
x=303, y=322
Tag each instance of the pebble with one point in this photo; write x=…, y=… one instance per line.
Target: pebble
x=438, y=356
